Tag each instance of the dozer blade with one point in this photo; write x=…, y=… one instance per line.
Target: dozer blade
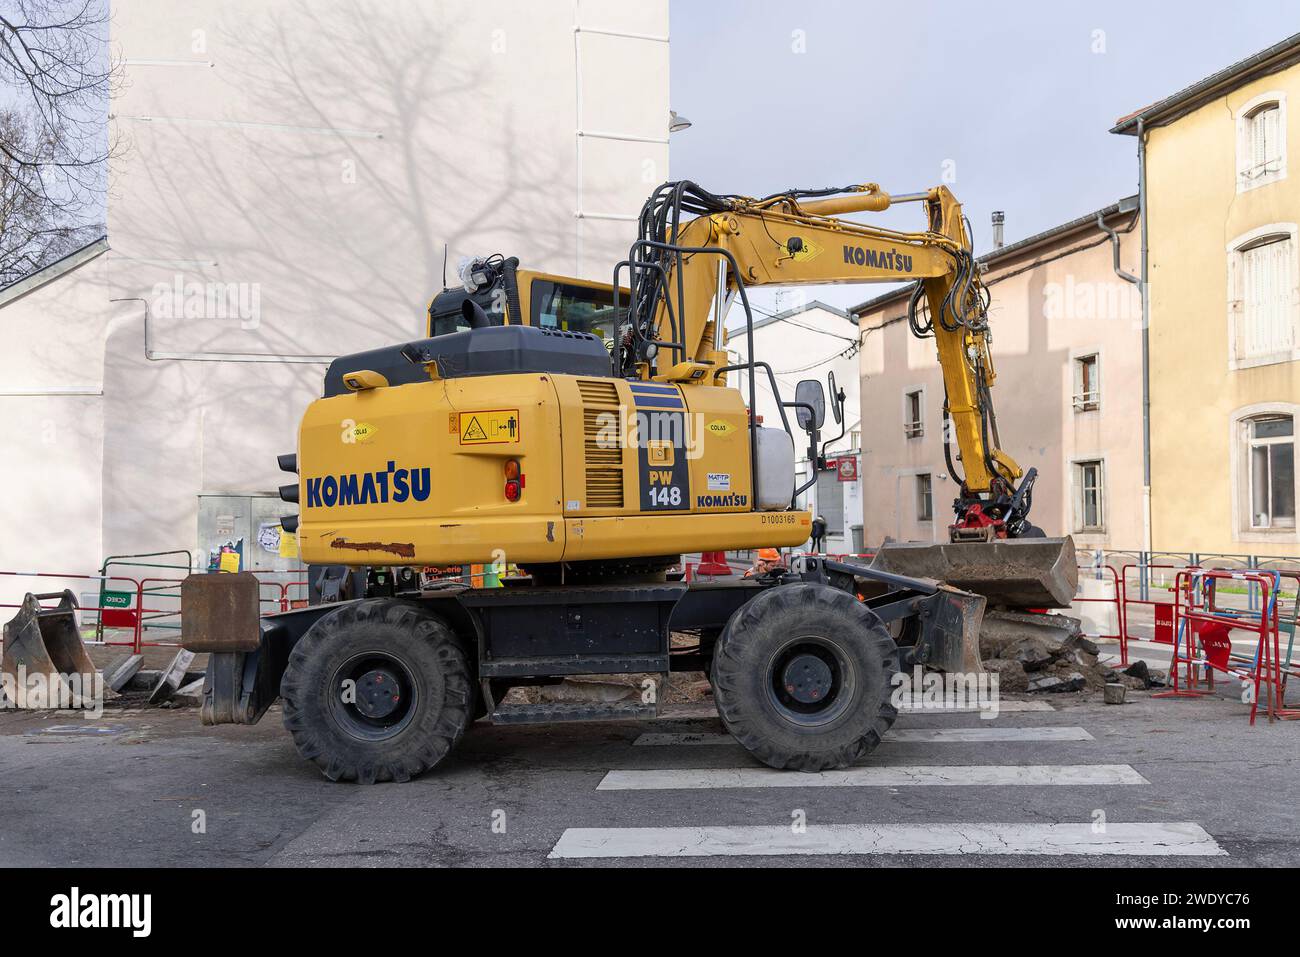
x=1010, y=573
x=46, y=642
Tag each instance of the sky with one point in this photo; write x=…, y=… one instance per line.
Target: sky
x=1014, y=100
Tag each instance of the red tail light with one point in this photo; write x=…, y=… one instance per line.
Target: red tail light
x=514, y=481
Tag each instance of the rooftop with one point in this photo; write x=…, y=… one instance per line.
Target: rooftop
x=1277, y=57
x=51, y=271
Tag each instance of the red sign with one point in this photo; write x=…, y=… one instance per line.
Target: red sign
x=848, y=468
x=1164, y=622
x=1216, y=644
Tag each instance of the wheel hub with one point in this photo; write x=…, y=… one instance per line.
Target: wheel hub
x=378, y=693
x=807, y=678
x=810, y=680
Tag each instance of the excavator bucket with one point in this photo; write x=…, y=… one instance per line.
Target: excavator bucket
x=45, y=642
x=1010, y=573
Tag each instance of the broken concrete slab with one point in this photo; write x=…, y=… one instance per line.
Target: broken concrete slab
x=121, y=671
x=1001, y=628
x=1032, y=652
x=1058, y=684
x=189, y=695
x=172, y=677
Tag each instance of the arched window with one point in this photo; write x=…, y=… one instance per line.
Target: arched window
x=1265, y=140
x=1261, y=141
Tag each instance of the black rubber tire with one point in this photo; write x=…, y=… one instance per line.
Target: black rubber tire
x=435, y=662
x=743, y=672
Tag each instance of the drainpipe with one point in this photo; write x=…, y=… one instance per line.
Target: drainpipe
x=1146, y=341
x=1141, y=283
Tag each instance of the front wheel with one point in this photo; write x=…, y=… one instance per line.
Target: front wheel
x=802, y=678
x=379, y=690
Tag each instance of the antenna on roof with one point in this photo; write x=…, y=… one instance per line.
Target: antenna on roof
x=444, y=266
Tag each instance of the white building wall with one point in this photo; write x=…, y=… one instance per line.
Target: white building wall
x=313, y=161
x=808, y=342
x=51, y=400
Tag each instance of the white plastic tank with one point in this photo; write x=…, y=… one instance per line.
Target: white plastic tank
x=774, y=479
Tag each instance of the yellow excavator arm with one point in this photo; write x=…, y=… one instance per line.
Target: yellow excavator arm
x=684, y=275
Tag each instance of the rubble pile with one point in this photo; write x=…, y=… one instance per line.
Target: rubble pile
x=1049, y=653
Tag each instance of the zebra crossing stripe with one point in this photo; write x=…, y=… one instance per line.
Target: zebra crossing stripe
x=979, y=775
x=897, y=735
x=1181, y=839
x=1003, y=707
x=707, y=709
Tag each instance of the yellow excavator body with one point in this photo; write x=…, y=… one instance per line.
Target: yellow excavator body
x=646, y=449
x=421, y=474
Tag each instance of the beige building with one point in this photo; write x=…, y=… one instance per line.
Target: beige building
x=1066, y=341
x=293, y=176
x=1224, y=287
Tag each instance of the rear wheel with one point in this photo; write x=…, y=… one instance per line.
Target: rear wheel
x=379, y=690
x=802, y=678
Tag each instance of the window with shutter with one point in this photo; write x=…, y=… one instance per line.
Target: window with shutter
x=1264, y=298
x=1264, y=154
x=1268, y=324
x=913, y=415
x=1087, y=383
x=1261, y=141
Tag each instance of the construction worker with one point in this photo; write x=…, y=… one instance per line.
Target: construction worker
x=768, y=561
x=818, y=534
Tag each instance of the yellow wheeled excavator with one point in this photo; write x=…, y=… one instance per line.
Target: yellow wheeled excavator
x=592, y=441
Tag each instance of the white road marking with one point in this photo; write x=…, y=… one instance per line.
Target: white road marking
x=983, y=775
x=1183, y=839
x=706, y=709
x=897, y=735
x=1003, y=706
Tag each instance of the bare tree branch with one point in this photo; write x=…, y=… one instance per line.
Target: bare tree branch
x=54, y=140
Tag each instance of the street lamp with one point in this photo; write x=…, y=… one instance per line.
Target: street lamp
x=677, y=123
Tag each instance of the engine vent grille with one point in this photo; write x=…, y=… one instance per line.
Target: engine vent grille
x=602, y=444
x=598, y=393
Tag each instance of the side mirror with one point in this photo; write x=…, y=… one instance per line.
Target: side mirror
x=809, y=392
x=837, y=402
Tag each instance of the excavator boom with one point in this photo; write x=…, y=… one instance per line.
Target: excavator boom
x=684, y=272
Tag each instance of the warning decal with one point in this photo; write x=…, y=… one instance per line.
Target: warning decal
x=491, y=427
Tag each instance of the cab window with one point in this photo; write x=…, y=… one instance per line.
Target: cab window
x=574, y=308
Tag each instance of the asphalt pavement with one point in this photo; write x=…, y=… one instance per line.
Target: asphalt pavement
x=1055, y=781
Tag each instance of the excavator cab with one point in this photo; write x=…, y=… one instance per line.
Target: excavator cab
x=509, y=295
